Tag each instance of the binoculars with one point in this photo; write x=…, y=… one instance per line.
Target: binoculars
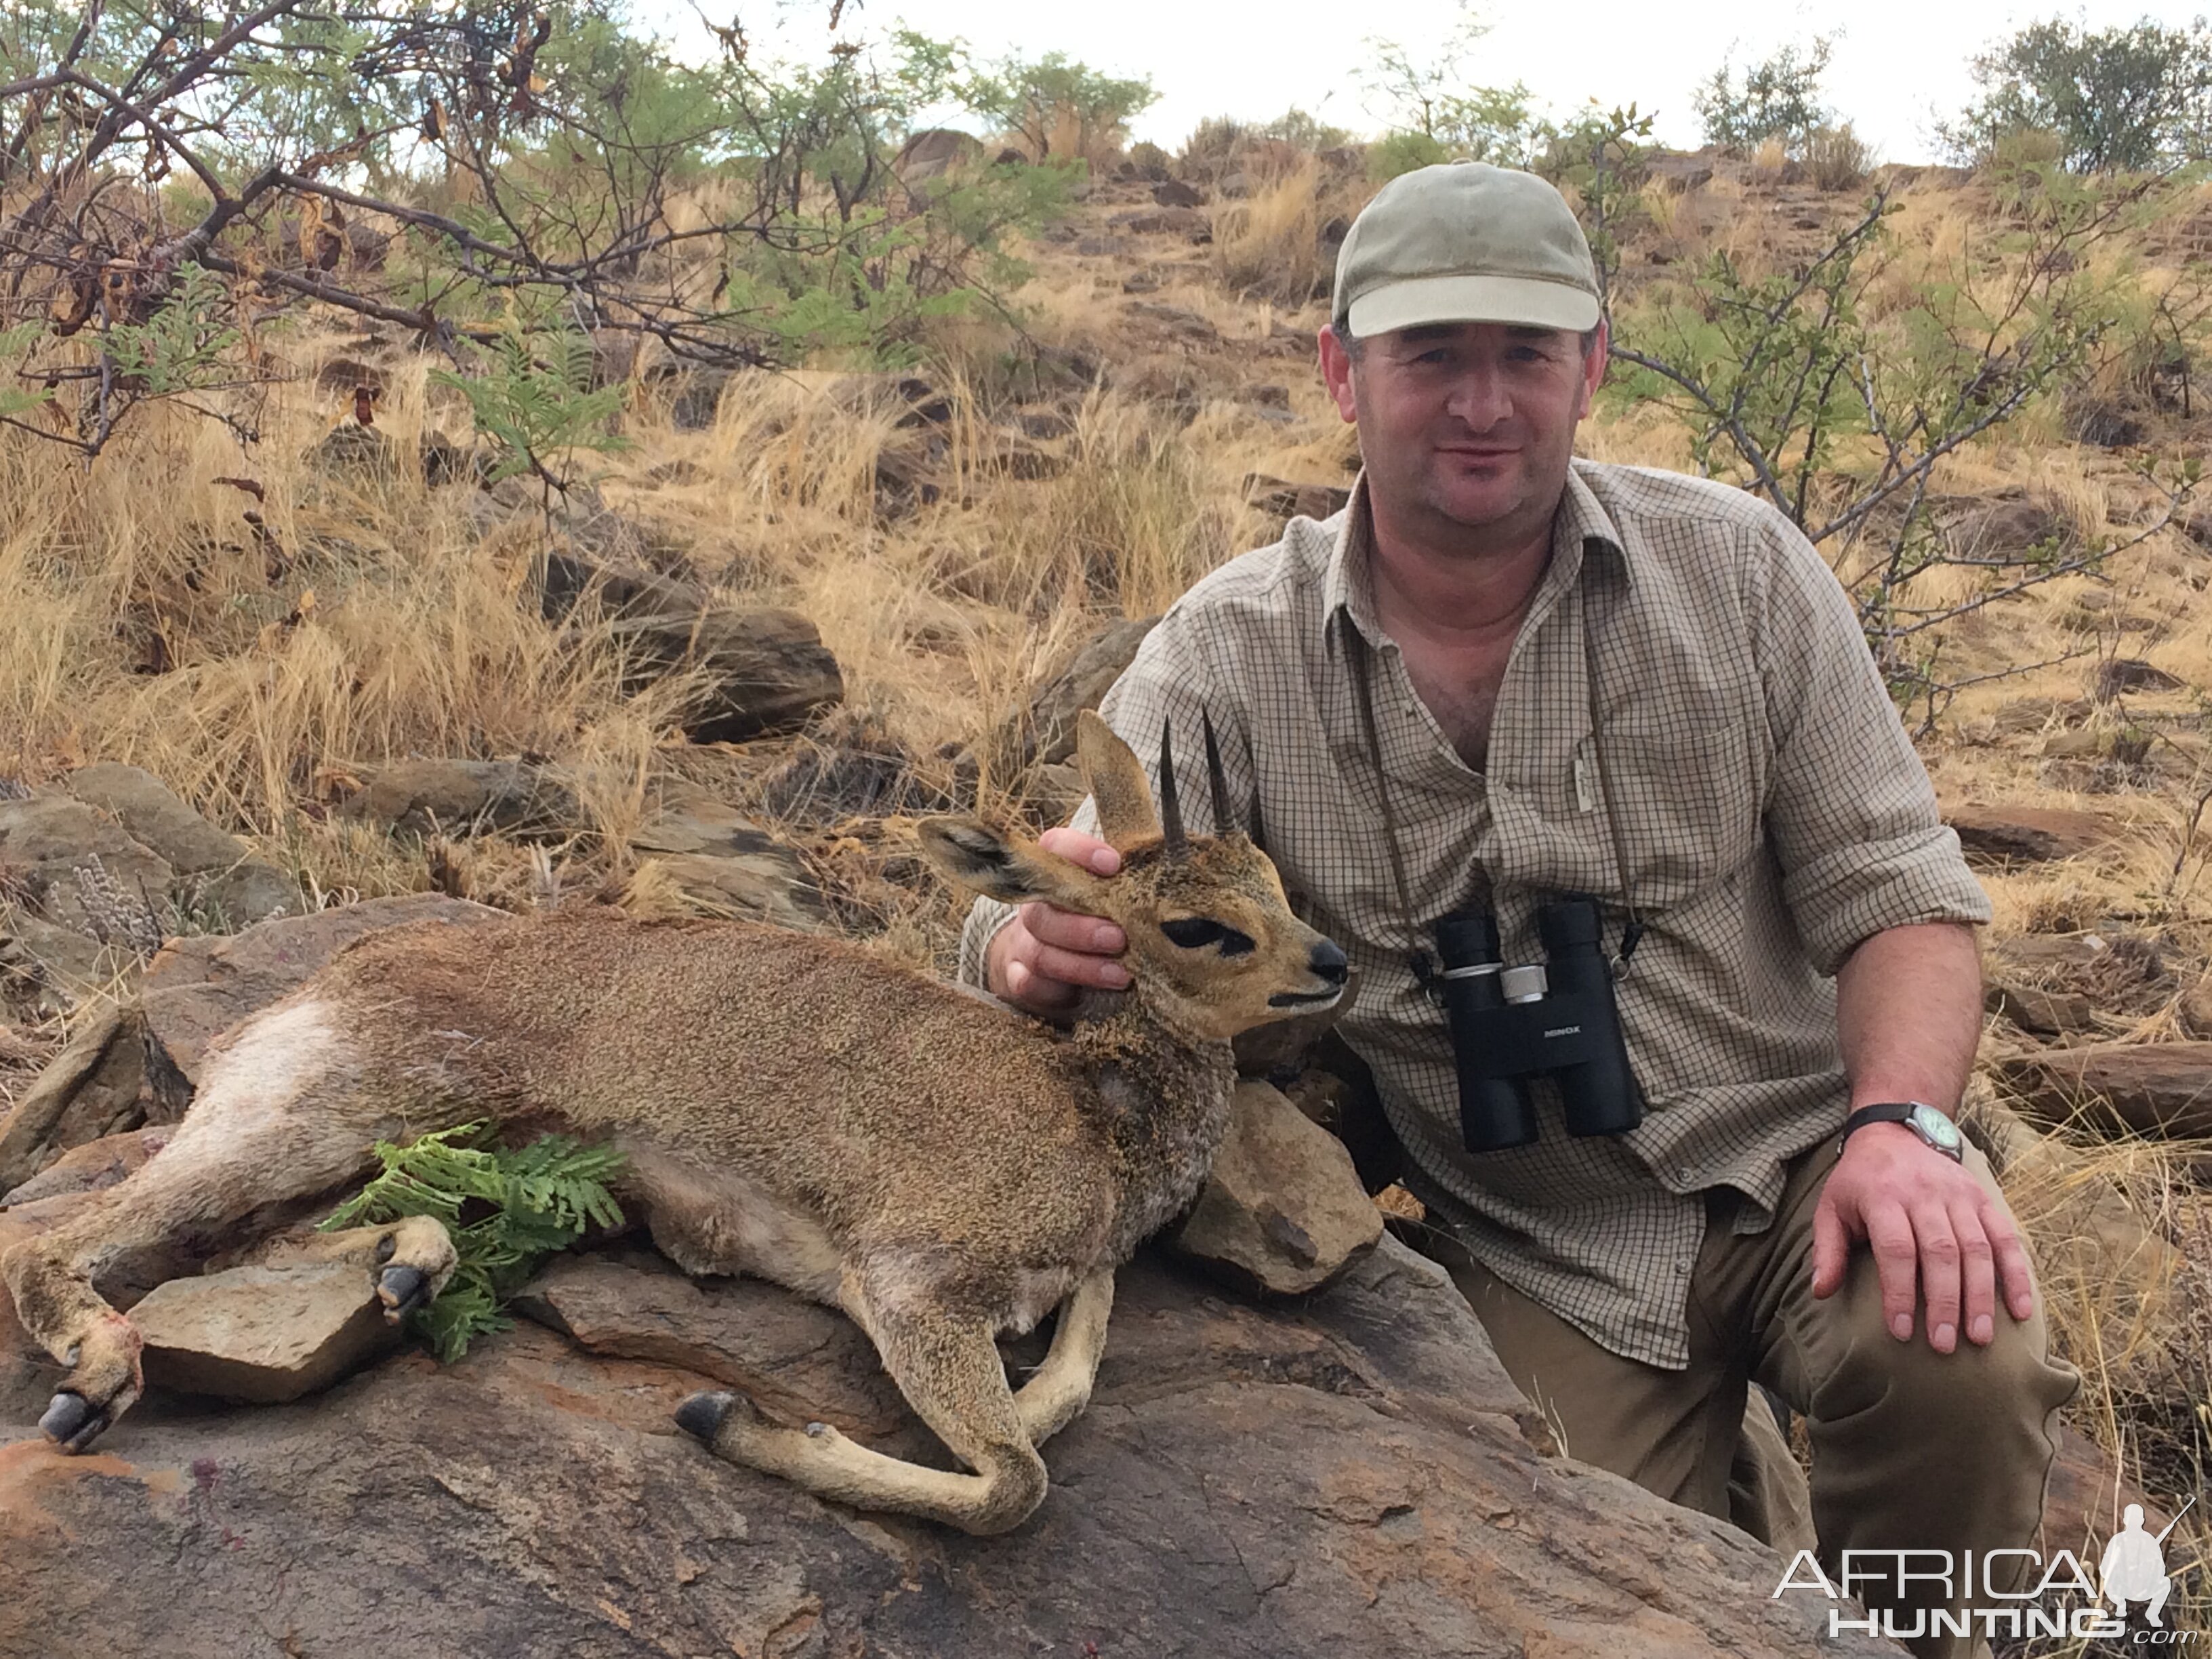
x=1556, y=1019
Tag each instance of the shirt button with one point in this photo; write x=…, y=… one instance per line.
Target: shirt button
x=1685, y=1174
x=1682, y=1265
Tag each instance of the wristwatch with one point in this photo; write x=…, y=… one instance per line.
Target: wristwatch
x=1924, y=1121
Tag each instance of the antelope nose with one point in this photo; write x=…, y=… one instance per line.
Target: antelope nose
x=1329, y=962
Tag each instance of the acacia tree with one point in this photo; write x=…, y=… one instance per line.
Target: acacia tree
x=462, y=169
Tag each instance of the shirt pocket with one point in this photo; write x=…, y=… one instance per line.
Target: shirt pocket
x=1688, y=806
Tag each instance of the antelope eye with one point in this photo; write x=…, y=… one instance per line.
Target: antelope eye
x=1192, y=932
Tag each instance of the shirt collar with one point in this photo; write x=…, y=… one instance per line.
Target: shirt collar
x=1580, y=523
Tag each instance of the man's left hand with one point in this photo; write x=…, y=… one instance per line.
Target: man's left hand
x=1926, y=1218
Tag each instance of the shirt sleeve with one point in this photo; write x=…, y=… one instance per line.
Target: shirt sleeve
x=1850, y=810
x=1163, y=689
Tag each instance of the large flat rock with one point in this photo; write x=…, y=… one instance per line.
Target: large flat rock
x=2149, y=1088
x=1347, y=1478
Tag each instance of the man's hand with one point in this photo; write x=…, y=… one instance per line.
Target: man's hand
x=1925, y=1217
x=1044, y=957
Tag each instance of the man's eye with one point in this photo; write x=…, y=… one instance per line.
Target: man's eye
x=1194, y=933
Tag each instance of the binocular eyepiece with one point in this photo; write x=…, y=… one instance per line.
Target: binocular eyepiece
x=1556, y=1019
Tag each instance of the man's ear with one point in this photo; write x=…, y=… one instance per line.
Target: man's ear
x=1118, y=784
x=970, y=852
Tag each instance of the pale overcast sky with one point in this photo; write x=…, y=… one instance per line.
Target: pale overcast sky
x=1897, y=62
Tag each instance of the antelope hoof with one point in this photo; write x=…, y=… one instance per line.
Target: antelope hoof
x=72, y=1422
x=706, y=1415
x=701, y=1416
x=402, y=1290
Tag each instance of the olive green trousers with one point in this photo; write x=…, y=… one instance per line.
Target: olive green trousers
x=1911, y=1449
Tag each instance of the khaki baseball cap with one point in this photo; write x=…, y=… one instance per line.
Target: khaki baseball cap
x=1465, y=242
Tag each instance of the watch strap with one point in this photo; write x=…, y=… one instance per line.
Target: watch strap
x=1888, y=1111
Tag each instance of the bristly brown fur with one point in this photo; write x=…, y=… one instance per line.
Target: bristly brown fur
x=941, y=1167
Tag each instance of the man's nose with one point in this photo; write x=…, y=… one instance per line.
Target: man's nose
x=1479, y=398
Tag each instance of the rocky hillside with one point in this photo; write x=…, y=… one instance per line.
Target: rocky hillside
x=332, y=669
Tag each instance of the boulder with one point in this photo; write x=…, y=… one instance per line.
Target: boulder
x=50, y=969
x=1281, y=499
x=933, y=151
x=433, y=796
x=2026, y=835
x=263, y=1334
x=1283, y=1211
x=2142, y=1088
x=92, y=1167
x=201, y=986
x=31, y=1132
x=1175, y=193
x=73, y=862
x=230, y=882
x=2116, y=675
x=2087, y=1495
x=1044, y=734
x=1190, y=224
x=1351, y=1476
x=2045, y=1014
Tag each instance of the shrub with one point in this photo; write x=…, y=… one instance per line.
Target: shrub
x=1837, y=158
x=2126, y=98
x=1776, y=99
x=1055, y=101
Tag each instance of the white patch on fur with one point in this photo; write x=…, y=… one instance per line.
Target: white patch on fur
x=720, y=1222
x=255, y=1083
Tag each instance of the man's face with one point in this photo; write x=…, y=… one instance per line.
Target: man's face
x=1465, y=424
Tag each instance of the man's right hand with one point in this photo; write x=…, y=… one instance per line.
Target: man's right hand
x=1046, y=957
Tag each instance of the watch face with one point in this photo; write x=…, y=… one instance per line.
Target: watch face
x=1936, y=1128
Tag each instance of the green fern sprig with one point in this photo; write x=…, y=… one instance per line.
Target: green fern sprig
x=524, y=1203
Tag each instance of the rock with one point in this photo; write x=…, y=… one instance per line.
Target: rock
x=761, y=672
x=910, y=401
x=351, y=450
x=1348, y=1477
x=1183, y=326
x=237, y=887
x=50, y=969
x=1281, y=499
x=1679, y=173
x=2024, y=715
x=429, y=797
x=92, y=1167
x=1174, y=193
x=2046, y=1013
x=2007, y=528
x=1044, y=734
x=2087, y=1495
x=28, y=1133
x=771, y=887
x=1283, y=1210
x=2146, y=1088
x=51, y=846
x=934, y=151
x=2028, y=834
x=2106, y=425
x=2118, y=674
x=203, y=985
x=2196, y=1010
x=797, y=1360
x=1189, y=223
x=263, y=1335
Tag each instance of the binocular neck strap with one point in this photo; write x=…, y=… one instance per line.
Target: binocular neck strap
x=1632, y=933
x=1417, y=955
x=1418, y=958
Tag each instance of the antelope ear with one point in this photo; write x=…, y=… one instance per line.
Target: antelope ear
x=1118, y=783
x=971, y=853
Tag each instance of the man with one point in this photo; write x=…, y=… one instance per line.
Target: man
x=1503, y=674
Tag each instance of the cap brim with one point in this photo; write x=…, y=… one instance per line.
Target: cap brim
x=1525, y=302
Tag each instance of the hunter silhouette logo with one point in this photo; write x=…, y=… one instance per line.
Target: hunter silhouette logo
x=2133, y=1566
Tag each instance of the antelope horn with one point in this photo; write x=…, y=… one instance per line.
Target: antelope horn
x=1171, y=833
x=1215, y=781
